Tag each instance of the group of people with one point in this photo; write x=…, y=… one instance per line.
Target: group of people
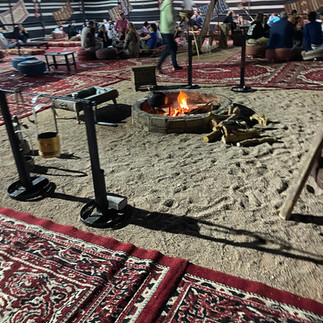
x=121, y=35
x=288, y=31
x=20, y=34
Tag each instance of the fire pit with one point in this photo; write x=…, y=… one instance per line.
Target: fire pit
x=183, y=111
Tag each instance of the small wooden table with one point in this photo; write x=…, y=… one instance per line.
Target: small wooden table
x=143, y=75
x=55, y=64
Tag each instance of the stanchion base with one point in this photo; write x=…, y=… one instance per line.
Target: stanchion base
x=110, y=218
x=191, y=86
x=242, y=89
x=39, y=185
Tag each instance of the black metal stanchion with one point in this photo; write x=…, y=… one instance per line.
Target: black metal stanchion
x=242, y=87
x=190, y=62
x=26, y=187
x=107, y=209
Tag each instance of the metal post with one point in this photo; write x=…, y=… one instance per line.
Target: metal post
x=17, y=152
x=242, y=87
x=41, y=18
x=26, y=187
x=97, y=172
x=11, y=14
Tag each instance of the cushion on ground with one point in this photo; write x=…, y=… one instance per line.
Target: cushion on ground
x=26, y=51
x=255, y=51
x=16, y=60
x=58, y=36
x=32, y=67
x=85, y=55
x=64, y=43
x=279, y=54
x=106, y=53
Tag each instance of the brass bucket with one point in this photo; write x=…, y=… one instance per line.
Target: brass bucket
x=48, y=142
x=48, y=145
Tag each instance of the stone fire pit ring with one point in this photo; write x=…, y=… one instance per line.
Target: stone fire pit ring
x=193, y=123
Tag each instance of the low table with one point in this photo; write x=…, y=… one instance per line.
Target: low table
x=66, y=63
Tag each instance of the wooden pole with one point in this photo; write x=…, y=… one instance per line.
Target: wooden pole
x=296, y=190
x=206, y=24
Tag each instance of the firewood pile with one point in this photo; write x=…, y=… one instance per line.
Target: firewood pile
x=239, y=126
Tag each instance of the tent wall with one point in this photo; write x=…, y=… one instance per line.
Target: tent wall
x=143, y=10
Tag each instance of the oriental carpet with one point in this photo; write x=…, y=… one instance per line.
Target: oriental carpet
x=55, y=273
x=306, y=75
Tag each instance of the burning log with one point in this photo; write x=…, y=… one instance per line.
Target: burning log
x=256, y=141
x=236, y=135
x=213, y=136
x=262, y=120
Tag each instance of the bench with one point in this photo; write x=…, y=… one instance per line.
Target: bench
x=95, y=93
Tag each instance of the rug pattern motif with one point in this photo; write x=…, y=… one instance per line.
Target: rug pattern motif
x=65, y=274
x=57, y=273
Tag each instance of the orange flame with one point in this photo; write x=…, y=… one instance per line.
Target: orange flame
x=183, y=107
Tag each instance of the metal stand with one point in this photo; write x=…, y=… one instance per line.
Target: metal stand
x=190, y=66
x=242, y=87
x=97, y=213
x=26, y=187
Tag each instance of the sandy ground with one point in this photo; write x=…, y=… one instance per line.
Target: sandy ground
x=213, y=204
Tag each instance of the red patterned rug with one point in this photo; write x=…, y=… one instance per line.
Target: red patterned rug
x=61, y=82
x=55, y=273
x=258, y=73
x=305, y=75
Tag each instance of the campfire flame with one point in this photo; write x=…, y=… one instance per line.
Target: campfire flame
x=183, y=107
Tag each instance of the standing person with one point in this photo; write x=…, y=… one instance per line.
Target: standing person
x=167, y=29
x=121, y=26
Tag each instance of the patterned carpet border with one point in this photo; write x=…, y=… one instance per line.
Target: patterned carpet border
x=50, y=272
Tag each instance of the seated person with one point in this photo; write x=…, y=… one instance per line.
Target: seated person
x=103, y=34
x=281, y=33
x=144, y=31
x=88, y=39
x=298, y=24
x=59, y=33
x=132, y=42
x=73, y=32
x=21, y=34
x=272, y=19
x=229, y=20
x=256, y=34
x=151, y=40
x=197, y=20
x=313, y=38
x=160, y=37
x=4, y=43
x=121, y=26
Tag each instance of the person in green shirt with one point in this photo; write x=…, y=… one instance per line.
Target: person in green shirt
x=167, y=30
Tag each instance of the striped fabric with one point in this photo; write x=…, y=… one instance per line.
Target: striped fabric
x=142, y=10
